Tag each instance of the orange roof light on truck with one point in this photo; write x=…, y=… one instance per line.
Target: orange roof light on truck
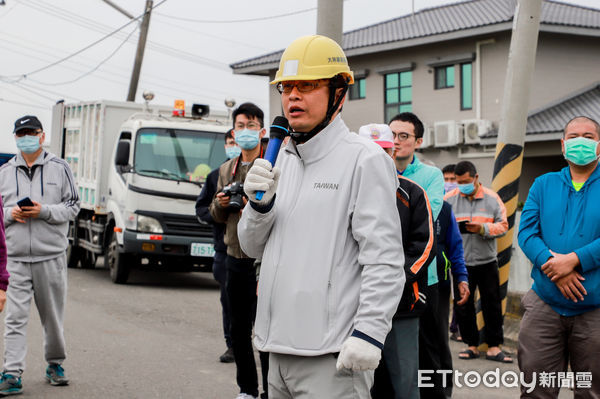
x=179, y=108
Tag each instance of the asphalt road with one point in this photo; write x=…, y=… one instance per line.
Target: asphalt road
x=159, y=336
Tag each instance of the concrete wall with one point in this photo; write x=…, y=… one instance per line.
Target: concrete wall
x=429, y=104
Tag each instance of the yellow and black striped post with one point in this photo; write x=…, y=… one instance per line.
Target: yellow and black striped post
x=513, y=125
x=507, y=170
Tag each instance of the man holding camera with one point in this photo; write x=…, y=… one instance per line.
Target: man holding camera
x=241, y=276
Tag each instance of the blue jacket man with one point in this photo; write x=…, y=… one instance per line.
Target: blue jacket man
x=560, y=233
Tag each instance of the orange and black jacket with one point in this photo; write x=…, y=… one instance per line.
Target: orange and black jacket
x=419, y=242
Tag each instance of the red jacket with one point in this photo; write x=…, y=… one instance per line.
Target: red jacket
x=3, y=273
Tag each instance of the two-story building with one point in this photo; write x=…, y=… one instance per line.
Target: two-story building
x=448, y=64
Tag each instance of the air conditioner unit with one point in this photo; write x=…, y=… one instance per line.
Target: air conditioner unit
x=474, y=129
x=446, y=134
x=427, y=137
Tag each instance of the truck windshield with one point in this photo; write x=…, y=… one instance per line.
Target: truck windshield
x=182, y=155
x=5, y=157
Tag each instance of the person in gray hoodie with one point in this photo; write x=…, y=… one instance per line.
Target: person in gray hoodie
x=40, y=197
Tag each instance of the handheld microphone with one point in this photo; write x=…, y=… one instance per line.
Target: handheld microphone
x=277, y=132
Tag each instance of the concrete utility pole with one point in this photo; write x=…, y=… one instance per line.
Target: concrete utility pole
x=513, y=123
x=139, y=56
x=330, y=18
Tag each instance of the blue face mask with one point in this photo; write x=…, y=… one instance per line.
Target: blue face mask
x=233, y=151
x=467, y=189
x=581, y=151
x=449, y=186
x=28, y=144
x=247, y=139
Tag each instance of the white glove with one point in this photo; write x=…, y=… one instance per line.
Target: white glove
x=261, y=177
x=357, y=354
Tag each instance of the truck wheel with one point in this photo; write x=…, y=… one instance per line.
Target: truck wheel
x=74, y=255
x=117, y=263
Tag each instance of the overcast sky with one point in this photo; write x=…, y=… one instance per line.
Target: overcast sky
x=184, y=59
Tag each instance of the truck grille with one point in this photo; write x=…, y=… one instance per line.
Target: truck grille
x=185, y=225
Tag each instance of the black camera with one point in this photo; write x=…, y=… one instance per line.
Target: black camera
x=235, y=192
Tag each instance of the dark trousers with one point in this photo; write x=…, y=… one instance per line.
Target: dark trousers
x=396, y=377
x=444, y=313
x=485, y=277
x=431, y=337
x=549, y=341
x=241, y=290
x=219, y=270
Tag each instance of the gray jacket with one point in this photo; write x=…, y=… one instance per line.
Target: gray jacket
x=50, y=182
x=486, y=208
x=333, y=260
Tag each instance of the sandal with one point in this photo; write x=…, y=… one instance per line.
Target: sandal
x=455, y=337
x=469, y=354
x=499, y=357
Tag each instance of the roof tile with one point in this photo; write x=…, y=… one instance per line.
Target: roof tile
x=449, y=18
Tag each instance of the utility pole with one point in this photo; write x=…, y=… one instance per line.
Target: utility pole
x=513, y=124
x=139, y=56
x=330, y=18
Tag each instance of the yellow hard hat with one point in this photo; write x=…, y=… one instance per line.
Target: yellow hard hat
x=311, y=58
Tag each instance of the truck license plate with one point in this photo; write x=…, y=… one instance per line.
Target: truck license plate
x=200, y=249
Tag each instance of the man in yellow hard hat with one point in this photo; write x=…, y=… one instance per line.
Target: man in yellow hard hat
x=329, y=235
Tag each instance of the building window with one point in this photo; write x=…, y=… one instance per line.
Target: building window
x=359, y=89
x=466, y=86
x=444, y=77
x=398, y=93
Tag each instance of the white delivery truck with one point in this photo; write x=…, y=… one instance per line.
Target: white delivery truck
x=139, y=173
x=8, y=147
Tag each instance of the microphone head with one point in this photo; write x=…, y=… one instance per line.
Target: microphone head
x=279, y=127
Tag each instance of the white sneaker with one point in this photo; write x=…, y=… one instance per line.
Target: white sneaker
x=245, y=396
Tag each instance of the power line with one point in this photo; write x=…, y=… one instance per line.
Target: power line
x=233, y=21
x=123, y=78
x=88, y=46
x=34, y=92
x=32, y=89
x=93, y=69
x=19, y=93
x=187, y=29
x=9, y=10
x=90, y=24
x=25, y=104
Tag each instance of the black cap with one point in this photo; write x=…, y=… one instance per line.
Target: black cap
x=28, y=122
